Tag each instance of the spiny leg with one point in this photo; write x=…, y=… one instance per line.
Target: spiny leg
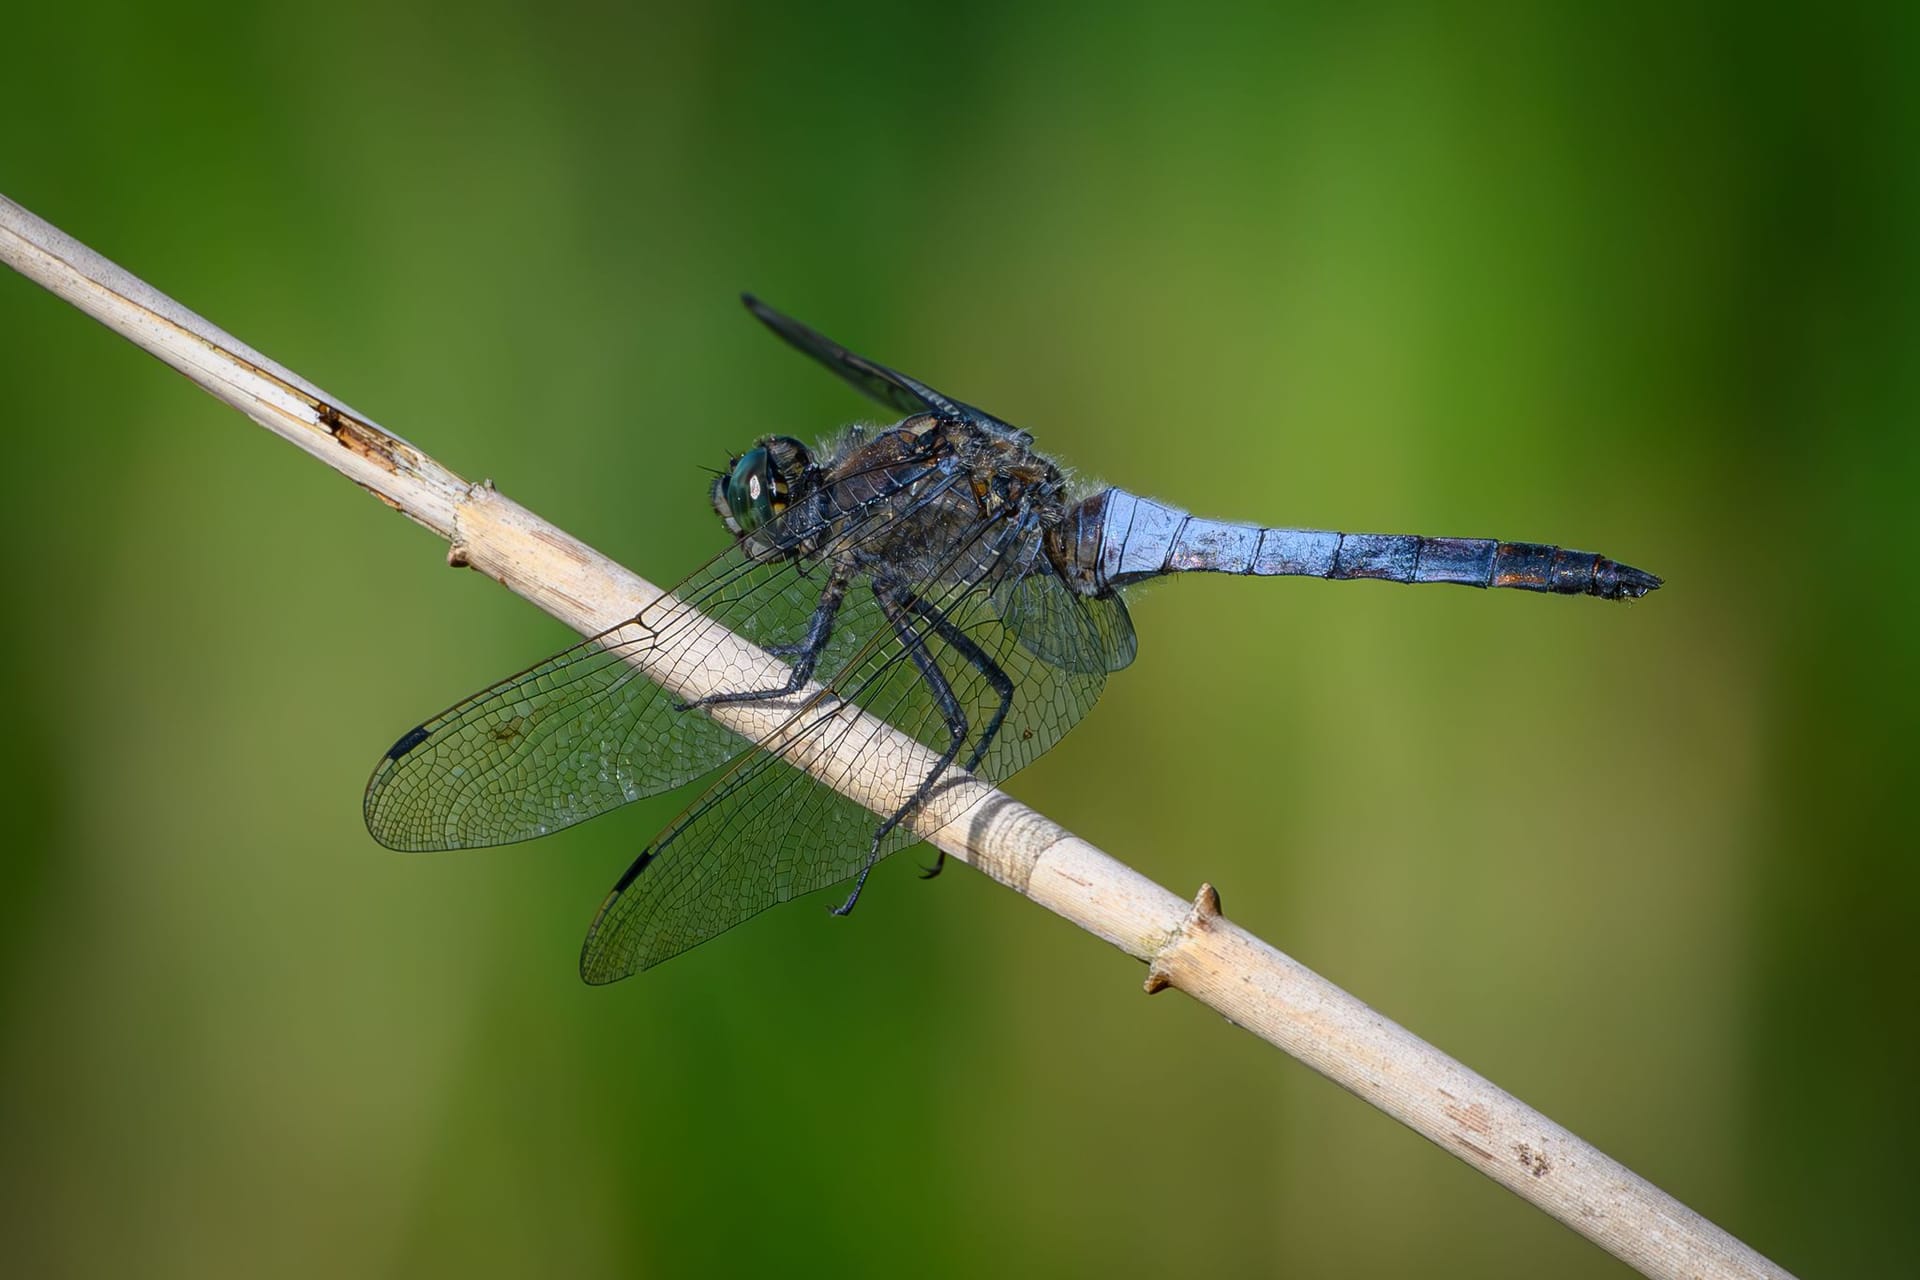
x=892, y=601
x=963, y=644
x=805, y=654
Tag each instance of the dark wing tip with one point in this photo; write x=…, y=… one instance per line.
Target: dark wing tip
x=408, y=741
x=601, y=959
x=375, y=806
x=791, y=331
x=600, y=963
x=594, y=970
x=765, y=314
x=372, y=812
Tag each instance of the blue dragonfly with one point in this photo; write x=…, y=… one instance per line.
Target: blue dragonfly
x=941, y=573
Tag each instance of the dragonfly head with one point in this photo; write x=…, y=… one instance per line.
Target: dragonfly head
x=760, y=483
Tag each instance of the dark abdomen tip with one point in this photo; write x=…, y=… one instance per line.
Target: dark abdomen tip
x=1615, y=581
x=1537, y=566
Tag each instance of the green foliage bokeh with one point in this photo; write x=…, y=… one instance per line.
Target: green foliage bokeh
x=1642, y=282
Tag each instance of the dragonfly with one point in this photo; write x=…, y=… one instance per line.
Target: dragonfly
x=939, y=573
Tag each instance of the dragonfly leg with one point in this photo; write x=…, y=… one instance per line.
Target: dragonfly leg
x=978, y=658
x=894, y=604
x=962, y=643
x=805, y=654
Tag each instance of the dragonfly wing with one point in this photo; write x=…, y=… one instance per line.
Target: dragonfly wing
x=890, y=387
x=767, y=830
x=576, y=735
x=585, y=731
x=1072, y=631
x=763, y=833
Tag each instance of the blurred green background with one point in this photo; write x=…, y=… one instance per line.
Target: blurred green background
x=1641, y=281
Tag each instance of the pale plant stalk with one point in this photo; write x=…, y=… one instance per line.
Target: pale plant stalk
x=1186, y=945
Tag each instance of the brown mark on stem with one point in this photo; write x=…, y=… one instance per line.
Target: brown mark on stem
x=1200, y=918
x=371, y=443
x=1475, y=1118
x=563, y=546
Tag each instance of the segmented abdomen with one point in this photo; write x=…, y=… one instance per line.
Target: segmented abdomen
x=1123, y=538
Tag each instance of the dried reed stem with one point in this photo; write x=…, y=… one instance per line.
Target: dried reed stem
x=1193, y=948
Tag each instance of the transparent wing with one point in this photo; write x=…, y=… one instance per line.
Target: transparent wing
x=585, y=731
x=1071, y=631
x=890, y=387
x=766, y=831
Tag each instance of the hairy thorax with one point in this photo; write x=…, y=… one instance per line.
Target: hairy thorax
x=930, y=500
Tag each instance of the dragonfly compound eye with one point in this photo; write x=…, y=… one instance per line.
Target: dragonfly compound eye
x=761, y=484
x=745, y=497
